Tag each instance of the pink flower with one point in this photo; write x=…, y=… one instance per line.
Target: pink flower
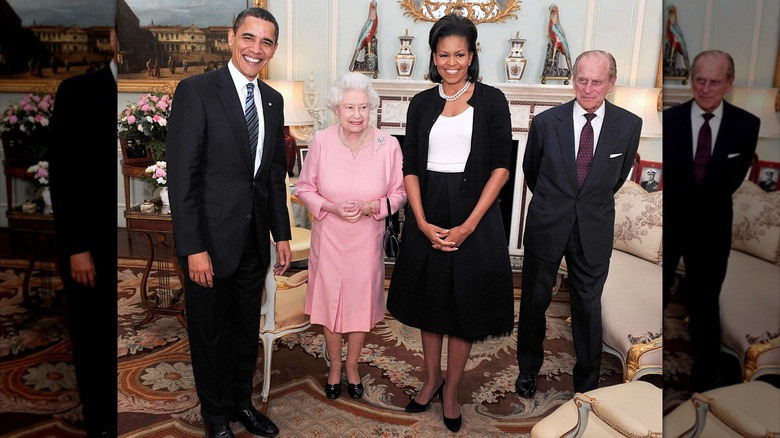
x=131, y=119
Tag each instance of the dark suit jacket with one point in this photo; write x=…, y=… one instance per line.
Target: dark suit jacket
x=685, y=203
x=83, y=144
x=212, y=190
x=557, y=203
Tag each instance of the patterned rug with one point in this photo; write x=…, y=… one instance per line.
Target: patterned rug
x=157, y=397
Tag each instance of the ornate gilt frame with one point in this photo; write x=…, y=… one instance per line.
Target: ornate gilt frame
x=169, y=86
x=432, y=10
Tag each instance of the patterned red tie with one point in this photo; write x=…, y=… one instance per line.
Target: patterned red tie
x=703, y=148
x=585, y=152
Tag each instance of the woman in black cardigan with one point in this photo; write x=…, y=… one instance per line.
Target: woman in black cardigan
x=453, y=276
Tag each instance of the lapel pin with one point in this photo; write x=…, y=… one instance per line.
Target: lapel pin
x=270, y=104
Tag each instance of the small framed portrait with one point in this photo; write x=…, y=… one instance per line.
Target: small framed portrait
x=767, y=175
x=302, y=150
x=135, y=152
x=650, y=175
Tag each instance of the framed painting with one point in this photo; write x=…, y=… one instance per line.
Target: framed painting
x=650, y=173
x=161, y=44
x=45, y=45
x=767, y=175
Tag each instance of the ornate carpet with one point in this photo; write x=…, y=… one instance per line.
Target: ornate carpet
x=157, y=398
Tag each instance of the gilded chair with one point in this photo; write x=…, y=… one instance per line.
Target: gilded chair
x=282, y=313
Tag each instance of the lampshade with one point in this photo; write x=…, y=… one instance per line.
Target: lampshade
x=761, y=102
x=295, y=113
x=644, y=103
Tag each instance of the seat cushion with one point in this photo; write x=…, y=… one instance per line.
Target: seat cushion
x=639, y=222
x=755, y=228
x=749, y=305
x=631, y=305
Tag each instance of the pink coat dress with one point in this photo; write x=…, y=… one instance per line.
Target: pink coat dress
x=346, y=262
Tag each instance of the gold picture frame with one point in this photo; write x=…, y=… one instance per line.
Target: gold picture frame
x=168, y=85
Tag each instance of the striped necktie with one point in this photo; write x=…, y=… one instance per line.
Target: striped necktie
x=250, y=114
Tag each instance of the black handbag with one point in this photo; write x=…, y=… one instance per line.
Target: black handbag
x=391, y=241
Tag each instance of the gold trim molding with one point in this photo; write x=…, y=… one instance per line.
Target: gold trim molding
x=752, y=354
x=484, y=11
x=635, y=353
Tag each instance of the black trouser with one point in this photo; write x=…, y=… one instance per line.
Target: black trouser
x=223, y=324
x=92, y=325
x=586, y=284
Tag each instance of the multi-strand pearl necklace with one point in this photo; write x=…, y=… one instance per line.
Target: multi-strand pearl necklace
x=454, y=96
x=353, y=147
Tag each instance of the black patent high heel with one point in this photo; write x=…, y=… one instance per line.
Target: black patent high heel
x=332, y=391
x=415, y=407
x=355, y=390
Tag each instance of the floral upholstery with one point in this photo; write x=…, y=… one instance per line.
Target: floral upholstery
x=639, y=222
x=755, y=229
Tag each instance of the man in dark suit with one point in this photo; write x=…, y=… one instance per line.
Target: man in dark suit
x=86, y=239
x=708, y=146
x=227, y=168
x=577, y=156
x=650, y=184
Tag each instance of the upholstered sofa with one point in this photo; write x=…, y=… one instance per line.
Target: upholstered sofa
x=632, y=302
x=750, y=297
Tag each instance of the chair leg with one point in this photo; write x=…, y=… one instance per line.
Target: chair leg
x=268, y=350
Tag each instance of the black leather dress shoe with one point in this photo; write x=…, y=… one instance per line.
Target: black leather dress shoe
x=525, y=385
x=218, y=430
x=256, y=423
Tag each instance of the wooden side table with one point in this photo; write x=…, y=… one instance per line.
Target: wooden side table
x=39, y=229
x=162, y=298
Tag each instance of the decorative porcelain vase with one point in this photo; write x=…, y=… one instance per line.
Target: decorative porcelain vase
x=515, y=62
x=46, y=195
x=166, y=202
x=404, y=60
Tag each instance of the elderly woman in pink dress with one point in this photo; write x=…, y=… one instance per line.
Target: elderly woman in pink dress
x=351, y=170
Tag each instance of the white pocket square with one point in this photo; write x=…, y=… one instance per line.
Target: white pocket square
x=614, y=155
x=734, y=155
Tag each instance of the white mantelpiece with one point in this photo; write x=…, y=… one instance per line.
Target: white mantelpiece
x=525, y=101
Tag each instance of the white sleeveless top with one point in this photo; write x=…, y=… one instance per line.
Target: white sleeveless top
x=450, y=142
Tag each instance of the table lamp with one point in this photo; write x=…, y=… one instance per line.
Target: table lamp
x=644, y=103
x=295, y=114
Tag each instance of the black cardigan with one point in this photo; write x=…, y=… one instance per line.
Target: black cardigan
x=491, y=139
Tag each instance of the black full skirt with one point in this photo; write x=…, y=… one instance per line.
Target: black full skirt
x=467, y=293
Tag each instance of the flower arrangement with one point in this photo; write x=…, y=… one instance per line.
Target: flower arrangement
x=157, y=175
x=28, y=121
x=147, y=120
x=40, y=173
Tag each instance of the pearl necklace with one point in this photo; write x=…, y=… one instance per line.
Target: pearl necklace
x=454, y=96
x=353, y=147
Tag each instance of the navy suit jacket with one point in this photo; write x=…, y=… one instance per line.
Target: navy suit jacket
x=212, y=189
x=557, y=203
x=685, y=202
